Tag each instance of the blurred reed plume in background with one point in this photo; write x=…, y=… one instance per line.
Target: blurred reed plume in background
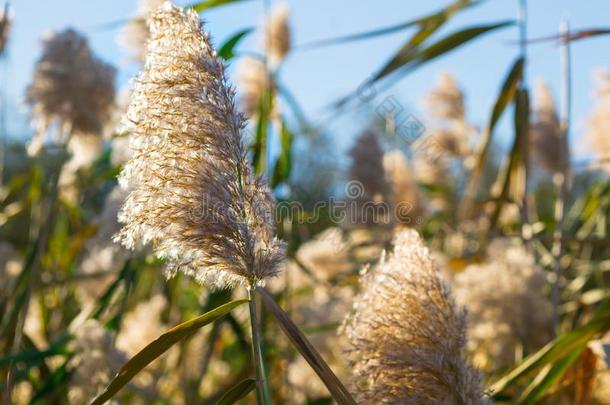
x=277, y=34
x=135, y=33
x=71, y=88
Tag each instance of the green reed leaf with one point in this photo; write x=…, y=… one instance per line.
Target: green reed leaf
x=407, y=59
x=160, y=346
x=556, y=350
x=438, y=17
x=237, y=392
x=208, y=4
x=300, y=342
x=539, y=387
x=227, y=50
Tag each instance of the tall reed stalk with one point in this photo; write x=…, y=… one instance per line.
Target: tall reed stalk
x=562, y=176
x=263, y=395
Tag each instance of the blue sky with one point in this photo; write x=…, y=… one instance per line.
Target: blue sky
x=317, y=77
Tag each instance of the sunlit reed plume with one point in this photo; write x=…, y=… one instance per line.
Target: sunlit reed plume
x=6, y=21
x=430, y=171
x=446, y=100
x=135, y=33
x=433, y=172
x=71, y=89
x=599, y=121
x=277, y=35
x=453, y=141
x=546, y=137
x=193, y=194
x=406, y=335
x=326, y=255
x=500, y=295
x=142, y=325
x=95, y=362
x=253, y=80
x=406, y=197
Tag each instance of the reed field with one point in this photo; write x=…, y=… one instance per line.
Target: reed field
x=195, y=236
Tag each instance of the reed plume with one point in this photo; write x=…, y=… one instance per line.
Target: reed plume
x=94, y=363
x=71, y=87
x=142, y=325
x=277, y=35
x=253, y=80
x=135, y=33
x=598, y=126
x=326, y=255
x=546, y=138
x=193, y=194
x=500, y=295
x=407, y=336
x=446, y=100
x=406, y=197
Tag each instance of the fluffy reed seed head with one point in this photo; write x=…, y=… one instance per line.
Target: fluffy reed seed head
x=70, y=87
x=546, y=138
x=326, y=255
x=95, y=361
x=599, y=120
x=277, y=34
x=253, y=80
x=500, y=295
x=406, y=196
x=142, y=325
x=407, y=336
x=134, y=35
x=446, y=100
x=193, y=194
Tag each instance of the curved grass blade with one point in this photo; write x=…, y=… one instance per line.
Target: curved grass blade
x=513, y=177
x=335, y=387
x=408, y=60
x=540, y=386
x=505, y=97
x=35, y=356
x=442, y=15
x=573, y=36
x=413, y=54
x=406, y=53
x=237, y=392
x=226, y=51
x=559, y=348
x=160, y=346
x=57, y=379
x=208, y=4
